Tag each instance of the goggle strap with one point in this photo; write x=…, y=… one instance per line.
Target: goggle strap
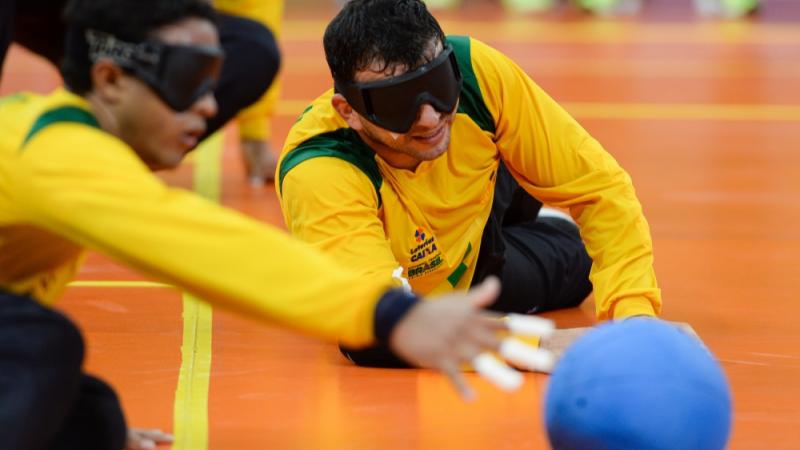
x=105, y=45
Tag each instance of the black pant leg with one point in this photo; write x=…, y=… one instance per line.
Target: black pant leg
x=252, y=60
x=511, y=204
x=96, y=421
x=41, y=353
x=541, y=262
x=546, y=267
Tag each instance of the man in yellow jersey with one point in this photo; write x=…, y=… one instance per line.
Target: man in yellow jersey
x=427, y=164
x=75, y=173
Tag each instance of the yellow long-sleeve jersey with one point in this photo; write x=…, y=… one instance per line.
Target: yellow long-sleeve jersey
x=339, y=196
x=66, y=185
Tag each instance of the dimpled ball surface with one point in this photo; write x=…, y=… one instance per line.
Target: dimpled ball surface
x=638, y=384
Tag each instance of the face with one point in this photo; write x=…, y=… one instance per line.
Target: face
x=159, y=135
x=429, y=136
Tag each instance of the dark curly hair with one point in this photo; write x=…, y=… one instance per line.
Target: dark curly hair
x=393, y=32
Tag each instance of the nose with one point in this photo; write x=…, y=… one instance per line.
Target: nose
x=206, y=105
x=428, y=117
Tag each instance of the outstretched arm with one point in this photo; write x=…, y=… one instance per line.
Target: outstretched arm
x=559, y=163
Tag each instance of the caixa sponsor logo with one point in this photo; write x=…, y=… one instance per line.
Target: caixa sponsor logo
x=425, y=245
x=423, y=253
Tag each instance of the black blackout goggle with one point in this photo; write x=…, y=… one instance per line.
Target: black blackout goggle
x=179, y=74
x=394, y=103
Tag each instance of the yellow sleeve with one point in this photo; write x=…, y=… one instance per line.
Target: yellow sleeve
x=559, y=163
x=89, y=187
x=332, y=205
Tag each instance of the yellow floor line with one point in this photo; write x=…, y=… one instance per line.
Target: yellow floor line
x=684, y=111
x=642, y=111
x=191, y=395
x=119, y=284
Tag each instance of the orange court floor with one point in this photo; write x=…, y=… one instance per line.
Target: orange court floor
x=705, y=116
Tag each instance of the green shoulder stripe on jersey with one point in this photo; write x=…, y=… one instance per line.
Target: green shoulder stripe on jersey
x=70, y=114
x=344, y=144
x=471, y=100
x=302, y=114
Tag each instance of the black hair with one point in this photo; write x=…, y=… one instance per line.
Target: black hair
x=128, y=20
x=391, y=32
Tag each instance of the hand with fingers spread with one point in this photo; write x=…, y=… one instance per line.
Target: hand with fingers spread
x=443, y=333
x=146, y=439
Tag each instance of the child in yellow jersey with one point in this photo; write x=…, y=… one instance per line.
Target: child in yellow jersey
x=427, y=164
x=75, y=173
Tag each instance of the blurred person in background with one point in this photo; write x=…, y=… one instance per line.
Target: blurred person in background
x=727, y=8
x=255, y=127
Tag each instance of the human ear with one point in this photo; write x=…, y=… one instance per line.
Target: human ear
x=347, y=112
x=107, y=80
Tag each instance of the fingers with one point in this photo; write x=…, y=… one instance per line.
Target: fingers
x=451, y=330
x=457, y=379
x=497, y=372
x=529, y=325
x=527, y=357
x=140, y=444
x=146, y=439
x=485, y=293
x=483, y=336
x=155, y=434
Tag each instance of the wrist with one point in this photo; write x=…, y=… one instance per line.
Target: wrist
x=636, y=306
x=393, y=305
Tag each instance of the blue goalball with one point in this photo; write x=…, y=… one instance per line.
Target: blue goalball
x=638, y=384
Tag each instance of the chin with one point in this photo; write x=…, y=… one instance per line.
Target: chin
x=166, y=162
x=433, y=153
x=430, y=155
